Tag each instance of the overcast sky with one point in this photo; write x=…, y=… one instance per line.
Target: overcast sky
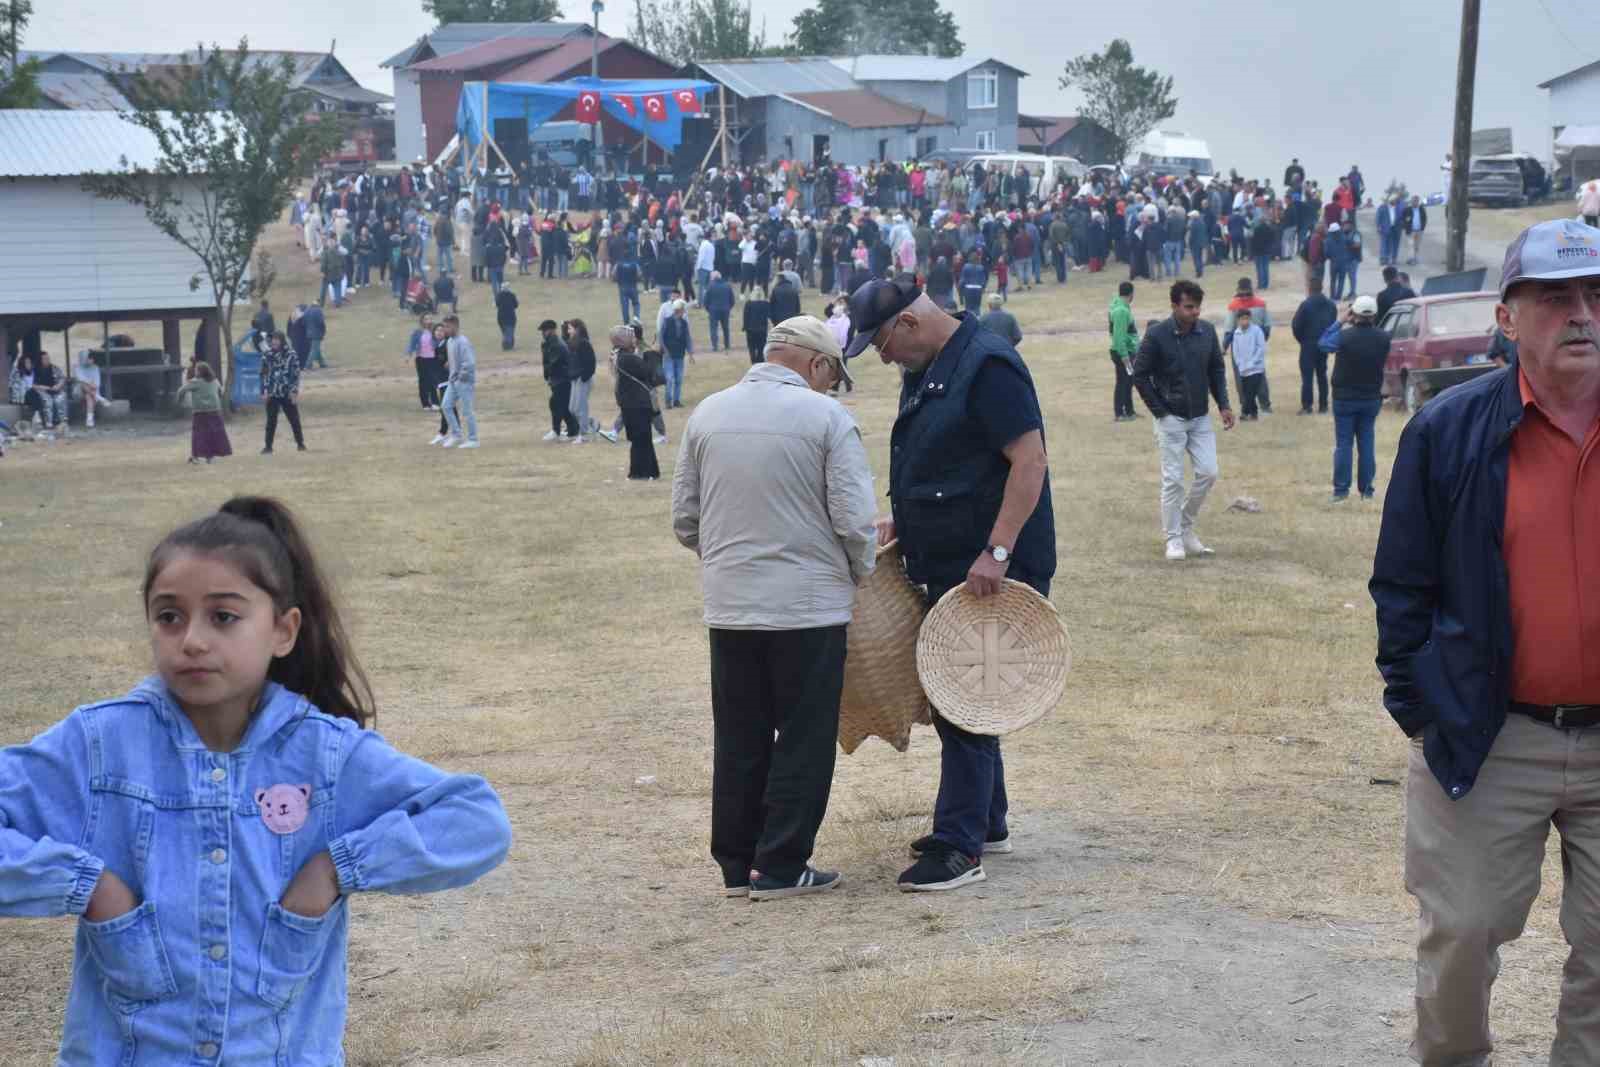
x=1259, y=82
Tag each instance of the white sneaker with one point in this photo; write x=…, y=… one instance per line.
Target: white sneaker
x=660, y=438
x=438, y=439
x=609, y=435
x=1175, y=549
x=88, y=418
x=551, y=435
x=578, y=440
x=450, y=442
x=470, y=444
x=1193, y=546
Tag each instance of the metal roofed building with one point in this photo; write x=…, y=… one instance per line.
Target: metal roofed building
x=907, y=106
x=111, y=264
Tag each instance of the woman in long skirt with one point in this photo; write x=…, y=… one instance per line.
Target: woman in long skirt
x=208, y=437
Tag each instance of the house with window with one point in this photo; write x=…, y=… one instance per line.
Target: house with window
x=1067, y=135
x=863, y=109
x=1575, y=112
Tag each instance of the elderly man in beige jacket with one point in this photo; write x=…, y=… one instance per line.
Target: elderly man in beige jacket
x=773, y=492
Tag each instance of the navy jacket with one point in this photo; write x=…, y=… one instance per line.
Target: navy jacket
x=1439, y=579
x=1314, y=315
x=946, y=481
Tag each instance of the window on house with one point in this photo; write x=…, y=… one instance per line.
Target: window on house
x=983, y=89
x=986, y=140
x=926, y=145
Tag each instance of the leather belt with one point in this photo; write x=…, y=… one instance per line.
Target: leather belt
x=1561, y=716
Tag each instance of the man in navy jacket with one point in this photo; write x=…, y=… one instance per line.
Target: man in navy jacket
x=1487, y=585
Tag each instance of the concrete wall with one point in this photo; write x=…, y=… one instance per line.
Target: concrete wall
x=108, y=259
x=408, y=144
x=1576, y=101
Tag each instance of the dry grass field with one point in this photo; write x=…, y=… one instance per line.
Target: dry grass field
x=1208, y=828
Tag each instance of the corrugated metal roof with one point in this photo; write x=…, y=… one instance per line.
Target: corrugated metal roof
x=83, y=92
x=456, y=36
x=351, y=93
x=58, y=144
x=750, y=78
x=882, y=68
x=862, y=109
x=550, y=65
x=486, y=54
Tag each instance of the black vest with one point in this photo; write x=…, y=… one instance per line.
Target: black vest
x=946, y=481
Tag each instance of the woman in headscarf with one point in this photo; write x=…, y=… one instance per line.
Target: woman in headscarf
x=636, y=384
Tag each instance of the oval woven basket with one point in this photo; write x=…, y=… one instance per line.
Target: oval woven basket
x=881, y=693
x=992, y=665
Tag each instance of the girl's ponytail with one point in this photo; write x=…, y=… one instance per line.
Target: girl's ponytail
x=261, y=536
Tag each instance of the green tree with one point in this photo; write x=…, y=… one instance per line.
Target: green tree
x=233, y=139
x=446, y=11
x=892, y=27
x=19, y=82
x=1128, y=100
x=689, y=31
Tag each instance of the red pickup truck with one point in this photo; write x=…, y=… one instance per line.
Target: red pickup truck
x=1437, y=342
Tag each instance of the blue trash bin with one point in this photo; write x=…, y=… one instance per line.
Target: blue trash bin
x=246, y=373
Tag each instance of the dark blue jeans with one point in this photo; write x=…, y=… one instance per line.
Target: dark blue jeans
x=1353, y=422
x=971, y=805
x=1263, y=266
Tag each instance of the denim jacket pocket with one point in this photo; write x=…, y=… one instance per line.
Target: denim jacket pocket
x=292, y=947
x=130, y=955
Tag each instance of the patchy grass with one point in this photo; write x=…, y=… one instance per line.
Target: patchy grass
x=525, y=613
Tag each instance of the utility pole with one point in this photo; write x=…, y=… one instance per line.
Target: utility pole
x=1455, y=249
x=594, y=73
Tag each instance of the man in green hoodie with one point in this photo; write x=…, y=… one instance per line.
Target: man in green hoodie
x=1124, y=345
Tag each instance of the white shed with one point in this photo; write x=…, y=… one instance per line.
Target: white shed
x=1575, y=101
x=68, y=256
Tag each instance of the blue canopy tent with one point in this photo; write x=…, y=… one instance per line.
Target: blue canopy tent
x=654, y=107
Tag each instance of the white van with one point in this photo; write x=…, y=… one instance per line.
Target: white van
x=1172, y=154
x=1045, y=171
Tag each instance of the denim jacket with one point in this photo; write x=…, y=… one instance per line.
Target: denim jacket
x=209, y=968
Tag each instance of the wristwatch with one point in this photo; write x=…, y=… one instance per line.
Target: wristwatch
x=1000, y=553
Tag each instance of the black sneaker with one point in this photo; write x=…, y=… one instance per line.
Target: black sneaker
x=941, y=869
x=811, y=880
x=991, y=846
x=266, y=451
x=741, y=889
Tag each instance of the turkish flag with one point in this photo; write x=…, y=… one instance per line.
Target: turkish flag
x=626, y=104
x=655, y=107
x=688, y=102
x=588, y=109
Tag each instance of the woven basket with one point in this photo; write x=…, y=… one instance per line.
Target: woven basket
x=993, y=665
x=881, y=693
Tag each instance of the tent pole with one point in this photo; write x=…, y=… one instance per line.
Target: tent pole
x=483, y=143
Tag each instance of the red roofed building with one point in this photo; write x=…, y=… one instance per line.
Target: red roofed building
x=429, y=75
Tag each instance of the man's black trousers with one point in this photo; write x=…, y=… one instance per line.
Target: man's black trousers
x=775, y=712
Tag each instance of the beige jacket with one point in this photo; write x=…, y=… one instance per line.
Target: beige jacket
x=773, y=492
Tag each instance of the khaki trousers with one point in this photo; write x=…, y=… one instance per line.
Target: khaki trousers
x=1473, y=865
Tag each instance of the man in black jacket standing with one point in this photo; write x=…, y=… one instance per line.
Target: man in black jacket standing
x=784, y=303
x=1178, y=361
x=505, y=316
x=1358, y=397
x=1314, y=315
x=558, y=372
x=1394, y=291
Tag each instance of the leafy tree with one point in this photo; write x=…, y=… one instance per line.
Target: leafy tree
x=893, y=27
x=233, y=139
x=688, y=31
x=19, y=82
x=1129, y=101
x=446, y=11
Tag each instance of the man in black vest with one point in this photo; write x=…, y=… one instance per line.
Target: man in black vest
x=970, y=494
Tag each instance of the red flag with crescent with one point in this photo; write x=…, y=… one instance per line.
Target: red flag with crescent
x=655, y=107
x=588, y=109
x=626, y=104
x=688, y=102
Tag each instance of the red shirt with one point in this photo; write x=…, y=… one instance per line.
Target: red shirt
x=1552, y=554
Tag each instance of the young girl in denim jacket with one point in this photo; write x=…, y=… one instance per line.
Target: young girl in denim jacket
x=208, y=828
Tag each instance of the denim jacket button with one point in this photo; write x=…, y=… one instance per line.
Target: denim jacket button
x=218, y=951
x=218, y=774
x=207, y=1049
x=218, y=856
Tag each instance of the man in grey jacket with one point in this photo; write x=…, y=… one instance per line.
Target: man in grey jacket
x=774, y=493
